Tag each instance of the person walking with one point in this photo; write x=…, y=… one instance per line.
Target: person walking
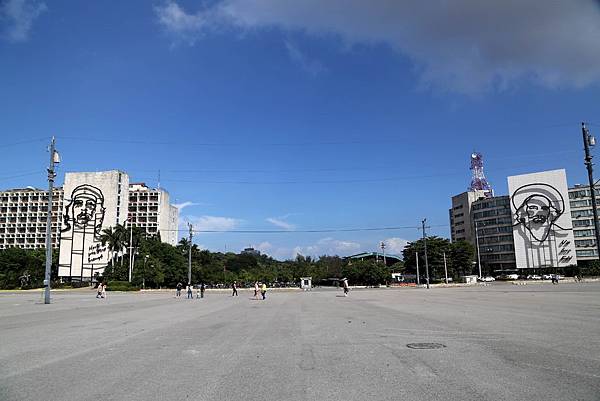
x=202, y=288
x=178, y=293
x=345, y=285
x=234, y=288
x=256, y=290
x=263, y=291
x=189, y=291
x=103, y=294
x=99, y=293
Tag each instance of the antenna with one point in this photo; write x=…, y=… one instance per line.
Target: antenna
x=478, y=180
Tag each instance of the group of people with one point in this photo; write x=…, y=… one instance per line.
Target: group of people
x=190, y=291
x=258, y=287
x=101, y=290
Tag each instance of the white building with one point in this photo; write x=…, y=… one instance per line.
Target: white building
x=542, y=226
x=150, y=209
x=92, y=202
x=23, y=214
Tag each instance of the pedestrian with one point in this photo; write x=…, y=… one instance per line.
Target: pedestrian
x=345, y=284
x=189, y=291
x=256, y=290
x=263, y=291
x=99, y=294
x=202, y=288
x=103, y=295
x=178, y=293
x=234, y=288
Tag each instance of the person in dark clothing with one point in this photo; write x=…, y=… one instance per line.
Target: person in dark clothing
x=189, y=291
x=234, y=288
x=202, y=288
x=179, y=285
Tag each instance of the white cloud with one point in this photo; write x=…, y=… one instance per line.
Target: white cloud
x=465, y=46
x=18, y=17
x=279, y=222
x=264, y=246
x=211, y=223
x=184, y=205
x=395, y=245
x=311, y=66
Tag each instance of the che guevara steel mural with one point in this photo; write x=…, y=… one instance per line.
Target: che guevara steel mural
x=81, y=251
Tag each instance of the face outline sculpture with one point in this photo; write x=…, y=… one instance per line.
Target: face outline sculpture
x=86, y=209
x=538, y=206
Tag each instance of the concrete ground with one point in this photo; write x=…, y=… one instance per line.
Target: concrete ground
x=501, y=342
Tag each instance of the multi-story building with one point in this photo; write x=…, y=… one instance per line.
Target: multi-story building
x=583, y=222
x=151, y=210
x=493, y=224
x=83, y=208
x=461, y=223
x=23, y=215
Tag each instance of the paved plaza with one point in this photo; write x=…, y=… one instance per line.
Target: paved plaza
x=501, y=342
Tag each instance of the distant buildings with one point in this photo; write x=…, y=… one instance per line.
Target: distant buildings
x=87, y=204
x=541, y=223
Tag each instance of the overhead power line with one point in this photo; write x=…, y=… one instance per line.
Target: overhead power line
x=323, y=230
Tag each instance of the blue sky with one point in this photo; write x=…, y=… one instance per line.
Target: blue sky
x=272, y=114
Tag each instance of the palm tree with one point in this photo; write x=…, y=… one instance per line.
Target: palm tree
x=122, y=234
x=110, y=237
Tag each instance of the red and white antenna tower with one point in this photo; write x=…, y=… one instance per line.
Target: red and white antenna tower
x=478, y=180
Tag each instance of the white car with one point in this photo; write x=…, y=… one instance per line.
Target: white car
x=534, y=277
x=547, y=277
x=487, y=279
x=512, y=276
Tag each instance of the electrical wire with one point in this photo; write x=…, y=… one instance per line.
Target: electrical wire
x=325, y=230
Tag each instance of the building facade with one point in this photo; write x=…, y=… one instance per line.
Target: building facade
x=23, y=215
x=494, y=233
x=461, y=223
x=93, y=202
x=582, y=216
x=150, y=209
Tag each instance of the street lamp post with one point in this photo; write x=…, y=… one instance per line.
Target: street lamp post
x=144, y=272
x=426, y=262
x=54, y=158
x=477, y=244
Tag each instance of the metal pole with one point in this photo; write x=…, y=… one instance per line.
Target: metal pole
x=130, y=249
x=144, y=273
x=590, y=170
x=417, y=257
x=426, y=262
x=445, y=268
x=383, y=250
x=477, y=244
x=190, y=256
x=51, y=176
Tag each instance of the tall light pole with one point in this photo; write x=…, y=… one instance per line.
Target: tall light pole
x=54, y=158
x=190, y=255
x=426, y=262
x=417, y=258
x=588, y=141
x=477, y=245
x=144, y=273
x=130, y=248
x=382, y=245
x=445, y=268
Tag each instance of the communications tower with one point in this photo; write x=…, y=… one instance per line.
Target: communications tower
x=478, y=180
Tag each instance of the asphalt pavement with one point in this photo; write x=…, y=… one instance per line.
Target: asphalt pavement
x=499, y=342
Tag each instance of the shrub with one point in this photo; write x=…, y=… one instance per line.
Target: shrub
x=121, y=286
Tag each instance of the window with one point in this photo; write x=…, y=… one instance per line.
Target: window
x=586, y=252
x=582, y=223
x=583, y=233
x=583, y=243
x=580, y=203
x=581, y=213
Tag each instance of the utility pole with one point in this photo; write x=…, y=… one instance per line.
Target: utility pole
x=417, y=258
x=477, y=244
x=588, y=141
x=130, y=248
x=190, y=255
x=383, y=250
x=54, y=158
x=426, y=262
x=445, y=268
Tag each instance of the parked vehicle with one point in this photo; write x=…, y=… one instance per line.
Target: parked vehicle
x=487, y=279
x=534, y=277
x=547, y=276
x=512, y=276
